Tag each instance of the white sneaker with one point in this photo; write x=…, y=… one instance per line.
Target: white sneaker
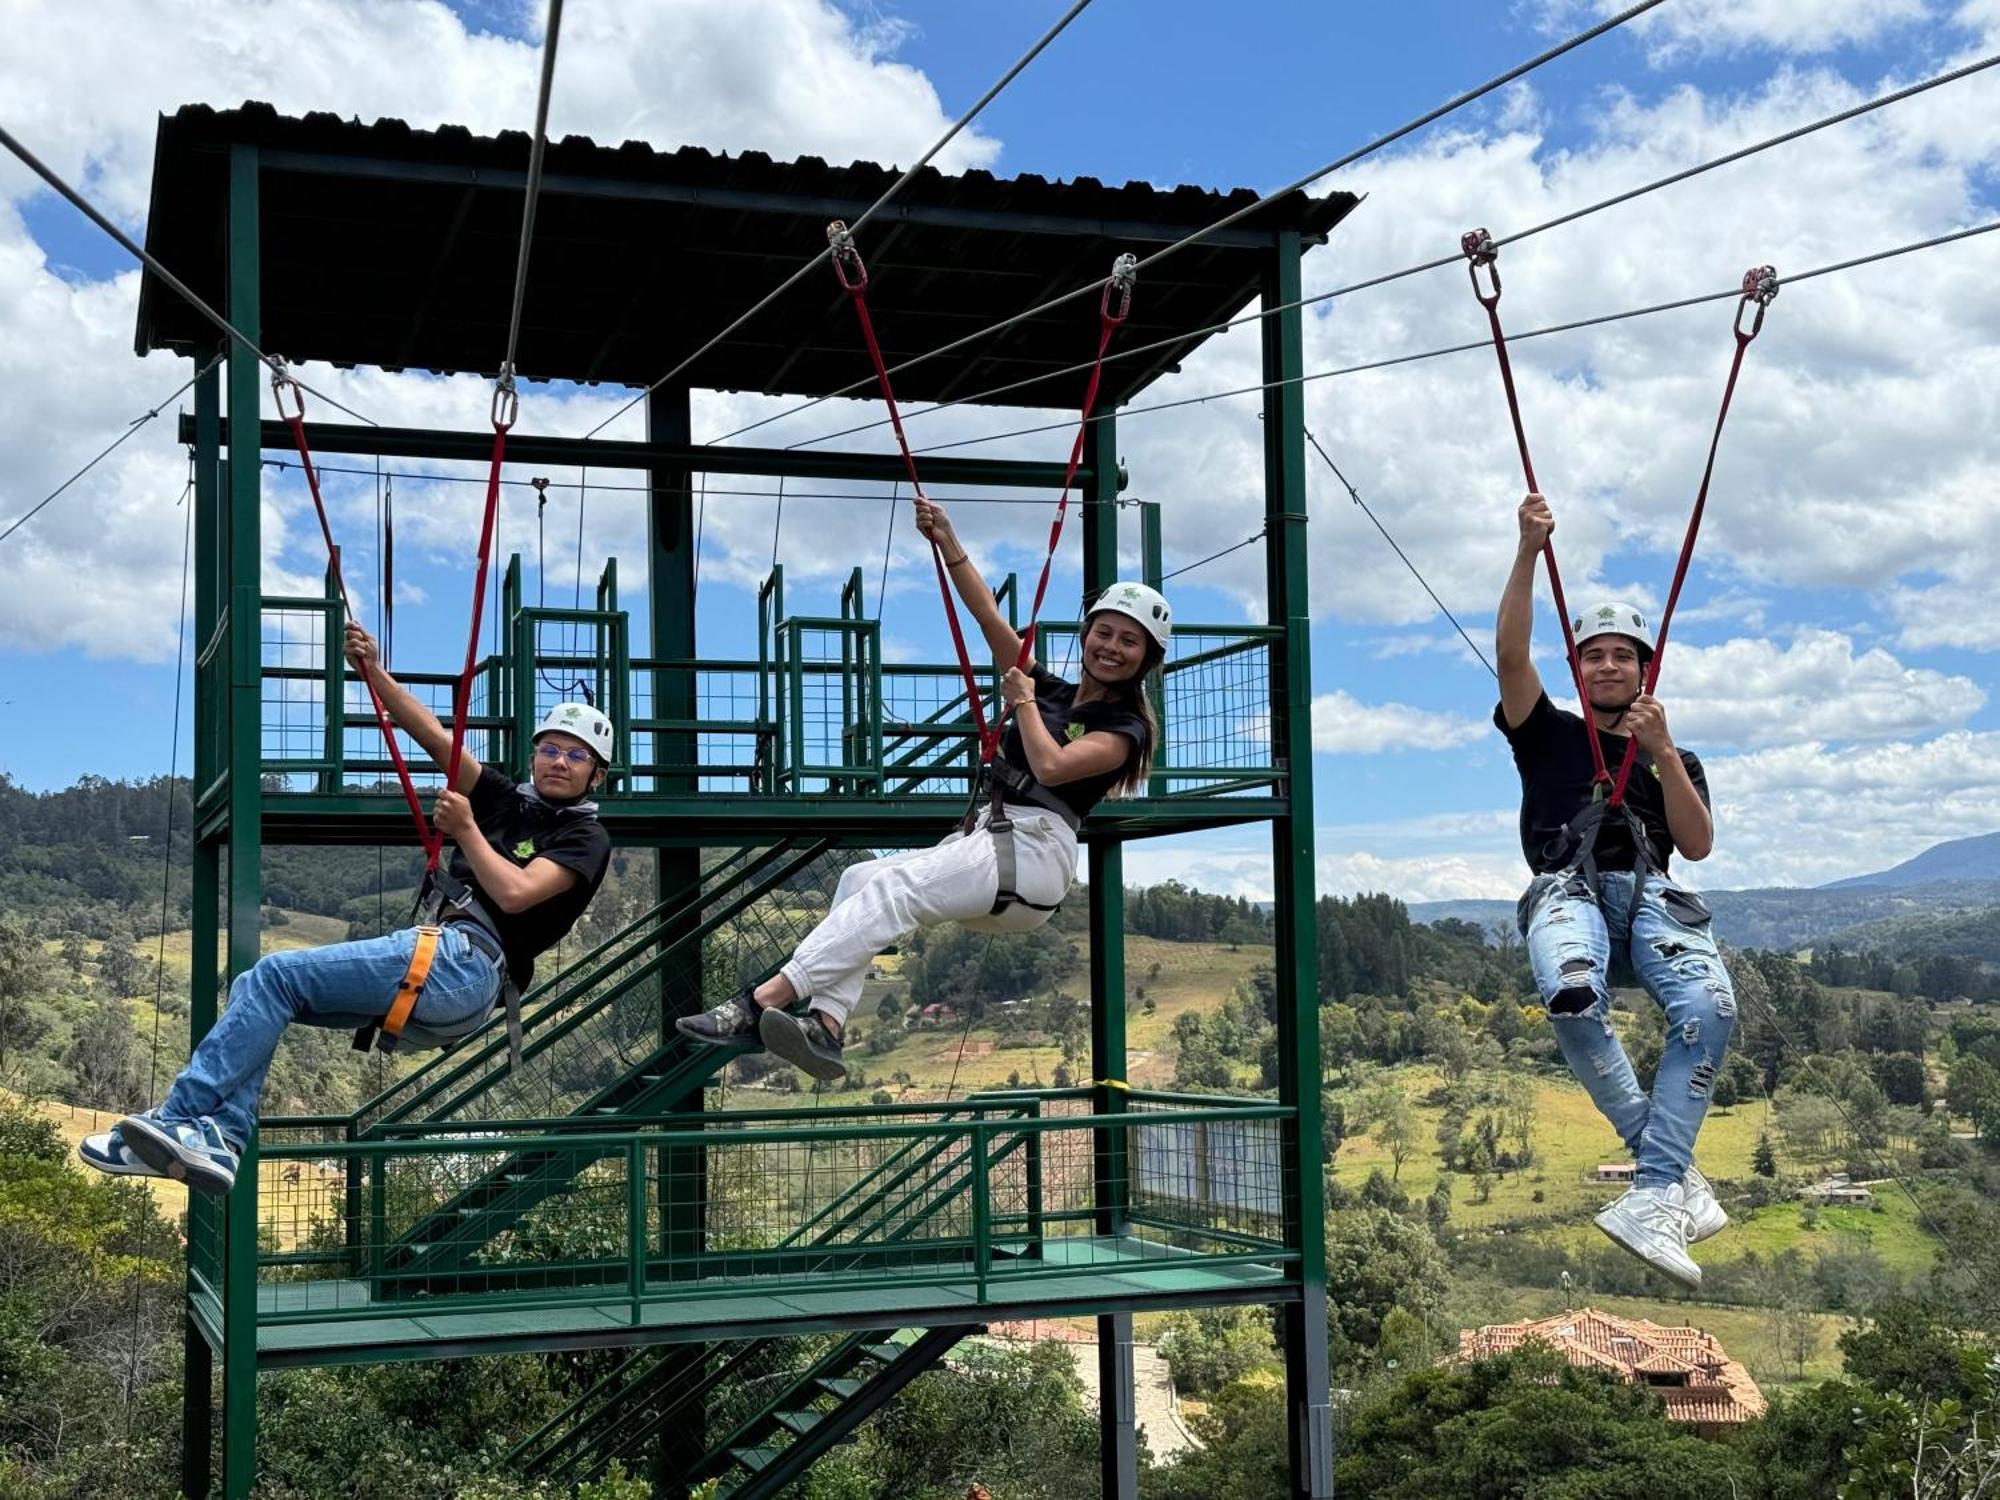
x=1653, y=1224
x=1705, y=1215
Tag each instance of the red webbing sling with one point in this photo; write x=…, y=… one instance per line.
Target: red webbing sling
x=1760, y=288
x=852, y=274
x=505, y=408
x=294, y=417
x=1480, y=251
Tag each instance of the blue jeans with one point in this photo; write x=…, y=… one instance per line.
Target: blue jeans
x=1570, y=936
x=344, y=986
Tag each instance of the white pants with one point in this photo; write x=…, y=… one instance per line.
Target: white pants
x=882, y=901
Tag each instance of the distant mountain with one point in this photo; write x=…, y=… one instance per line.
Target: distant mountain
x=1976, y=858
x=1940, y=916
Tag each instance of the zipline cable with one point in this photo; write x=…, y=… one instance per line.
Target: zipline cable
x=110, y=448
x=1450, y=106
x=1701, y=299
x=1569, y=217
x=91, y=212
x=536, y=152
x=1061, y=24
x=166, y=891
x=1355, y=495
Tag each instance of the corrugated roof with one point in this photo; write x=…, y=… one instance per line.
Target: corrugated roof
x=1718, y=1389
x=386, y=245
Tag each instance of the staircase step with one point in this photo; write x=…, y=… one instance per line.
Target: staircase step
x=755, y=1459
x=883, y=1353
x=838, y=1386
x=801, y=1422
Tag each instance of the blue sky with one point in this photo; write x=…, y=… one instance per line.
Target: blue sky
x=1836, y=667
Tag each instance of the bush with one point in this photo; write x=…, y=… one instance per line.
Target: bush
x=1212, y=1347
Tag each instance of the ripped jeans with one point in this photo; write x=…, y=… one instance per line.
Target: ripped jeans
x=1569, y=936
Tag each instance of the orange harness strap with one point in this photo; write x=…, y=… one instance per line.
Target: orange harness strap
x=411, y=987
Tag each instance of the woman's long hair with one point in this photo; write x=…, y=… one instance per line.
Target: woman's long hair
x=1135, y=692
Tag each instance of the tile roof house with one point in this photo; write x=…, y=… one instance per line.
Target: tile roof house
x=1700, y=1384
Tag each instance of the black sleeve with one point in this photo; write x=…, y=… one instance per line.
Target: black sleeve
x=1112, y=718
x=1543, y=721
x=583, y=846
x=1045, y=679
x=491, y=793
x=1697, y=775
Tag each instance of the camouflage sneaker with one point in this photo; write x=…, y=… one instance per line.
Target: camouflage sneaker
x=734, y=1020
x=804, y=1042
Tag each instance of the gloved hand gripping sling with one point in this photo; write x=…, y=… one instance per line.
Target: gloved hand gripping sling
x=1760, y=289
x=439, y=886
x=996, y=779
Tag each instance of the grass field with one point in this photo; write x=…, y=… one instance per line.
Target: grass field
x=1571, y=1139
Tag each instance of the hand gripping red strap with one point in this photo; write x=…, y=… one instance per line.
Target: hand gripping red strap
x=1482, y=253
x=295, y=418
x=1113, y=308
x=1760, y=289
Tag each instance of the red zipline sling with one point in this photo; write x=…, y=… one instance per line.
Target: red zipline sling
x=1113, y=308
x=1760, y=288
x=506, y=407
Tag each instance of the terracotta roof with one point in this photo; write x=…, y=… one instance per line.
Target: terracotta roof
x=1716, y=1388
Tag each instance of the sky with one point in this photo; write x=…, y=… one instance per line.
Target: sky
x=1833, y=658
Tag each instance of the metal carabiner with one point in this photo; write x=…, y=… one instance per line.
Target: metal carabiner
x=282, y=381
x=506, y=401
x=1760, y=287
x=1479, y=251
x=848, y=266
x=1124, y=276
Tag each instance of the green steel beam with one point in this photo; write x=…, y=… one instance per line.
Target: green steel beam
x=240, y=574
x=1289, y=606
x=670, y=593
x=712, y=819
x=604, y=453
x=1118, y=1461
x=198, y=1365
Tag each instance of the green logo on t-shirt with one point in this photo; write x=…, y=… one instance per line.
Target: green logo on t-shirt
x=525, y=849
x=1074, y=732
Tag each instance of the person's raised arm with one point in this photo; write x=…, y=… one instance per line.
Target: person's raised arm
x=1001, y=638
x=404, y=707
x=1520, y=683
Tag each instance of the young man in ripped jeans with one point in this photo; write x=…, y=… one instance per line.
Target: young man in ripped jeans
x=1582, y=904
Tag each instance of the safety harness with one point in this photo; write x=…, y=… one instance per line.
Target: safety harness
x=996, y=782
x=442, y=898
x=1577, y=843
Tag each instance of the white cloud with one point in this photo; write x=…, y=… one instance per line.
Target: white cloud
x=1343, y=725
x=790, y=77
x=1806, y=814
x=1752, y=693
x=1726, y=26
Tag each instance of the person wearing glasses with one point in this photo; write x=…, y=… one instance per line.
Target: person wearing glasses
x=531, y=855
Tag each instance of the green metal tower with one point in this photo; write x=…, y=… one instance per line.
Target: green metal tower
x=769, y=1278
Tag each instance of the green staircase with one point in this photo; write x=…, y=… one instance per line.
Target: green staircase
x=753, y=1414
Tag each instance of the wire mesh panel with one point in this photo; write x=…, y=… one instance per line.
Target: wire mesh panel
x=833, y=685
x=995, y=1190
x=298, y=748
x=1215, y=711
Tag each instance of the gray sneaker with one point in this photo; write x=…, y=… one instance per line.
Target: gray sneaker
x=1653, y=1224
x=192, y=1151
x=1705, y=1215
x=734, y=1020
x=804, y=1042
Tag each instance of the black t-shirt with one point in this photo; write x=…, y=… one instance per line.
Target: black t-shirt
x=1053, y=698
x=1553, y=758
x=523, y=827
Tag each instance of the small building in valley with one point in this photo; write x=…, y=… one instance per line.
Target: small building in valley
x=1701, y=1385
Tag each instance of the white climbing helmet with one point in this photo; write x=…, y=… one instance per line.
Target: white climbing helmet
x=1140, y=602
x=589, y=724
x=1613, y=618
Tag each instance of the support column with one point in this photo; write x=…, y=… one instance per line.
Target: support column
x=1308, y=1403
x=204, y=1222
x=1117, y=1452
x=240, y=575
